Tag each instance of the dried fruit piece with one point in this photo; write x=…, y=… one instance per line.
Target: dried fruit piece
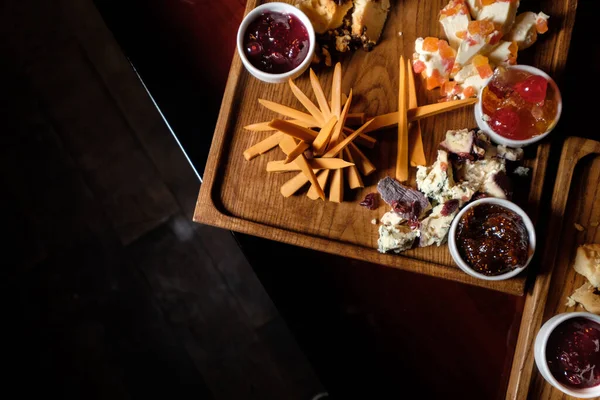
x=514, y=50
x=541, y=25
x=461, y=34
x=435, y=80
x=448, y=88
x=469, y=92
x=370, y=201
x=454, y=7
x=419, y=66
x=445, y=50
x=431, y=44
x=449, y=207
x=483, y=66
x=483, y=27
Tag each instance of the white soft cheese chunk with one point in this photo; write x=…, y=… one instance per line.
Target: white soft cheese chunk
x=474, y=45
x=453, y=24
x=474, y=8
x=465, y=72
x=436, y=180
x=524, y=30
x=502, y=54
x=392, y=218
x=508, y=153
x=434, y=229
x=369, y=16
x=502, y=13
x=462, y=192
x=432, y=60
x=475, y=81
x=481, y=172
x=395, y=238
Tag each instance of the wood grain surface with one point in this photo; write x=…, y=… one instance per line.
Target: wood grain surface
x=240, y=195
x=575, y=200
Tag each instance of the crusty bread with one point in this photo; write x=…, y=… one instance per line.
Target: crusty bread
x=587, y=263
x=325, y=14
x=588, y=296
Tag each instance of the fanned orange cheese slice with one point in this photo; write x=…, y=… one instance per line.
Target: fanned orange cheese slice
x=263, y=146
x=336, y=190
x=361, y=161
x=293, y=130
x=288, y=144
x=309, y=105
x=322, y=177
x=320, y=95
x=289, y=112
x=300, y=148
x=315, y=163
x=343, y=143
x=322, y=140
x=352, y=174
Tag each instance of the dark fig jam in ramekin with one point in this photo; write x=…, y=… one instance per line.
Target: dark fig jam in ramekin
x=492, y=239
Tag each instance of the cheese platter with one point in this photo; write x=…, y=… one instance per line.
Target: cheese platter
x=301, y=161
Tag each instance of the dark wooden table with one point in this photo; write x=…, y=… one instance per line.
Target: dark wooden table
x=367, y=330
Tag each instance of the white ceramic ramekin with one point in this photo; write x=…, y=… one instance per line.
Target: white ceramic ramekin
x=453, y=246
x=499, y=139
x=285, y=9
x=539, y=352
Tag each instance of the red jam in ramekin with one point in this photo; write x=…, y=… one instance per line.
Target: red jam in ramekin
x=276, y=42
x=573, y=353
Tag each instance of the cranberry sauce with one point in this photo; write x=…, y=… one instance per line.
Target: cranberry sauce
x=573, y=353
x=276, y=42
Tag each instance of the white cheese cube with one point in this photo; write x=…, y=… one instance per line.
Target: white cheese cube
x=392, y=218
x=457, y=22
x=472, y=46
x=465, y=72
x=474, y=8
x=502, y=13
x=431, y=59
x=503, y=54
x=481, y=172
x=474, y=81
x=524, y=30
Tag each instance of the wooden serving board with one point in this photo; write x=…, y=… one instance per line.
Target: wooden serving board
x=241, y=196
x=576, y=200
